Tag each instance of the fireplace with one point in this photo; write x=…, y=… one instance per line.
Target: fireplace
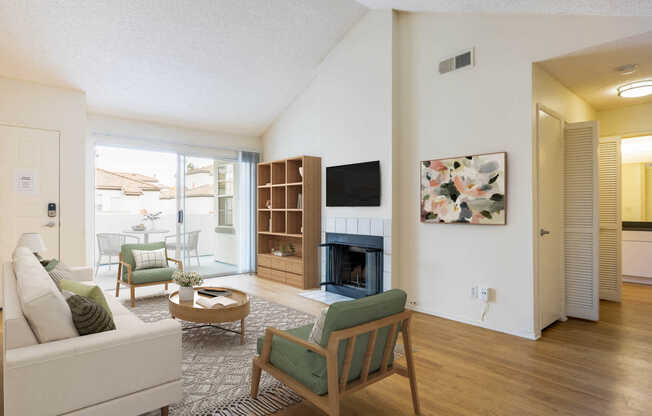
x=354, y=264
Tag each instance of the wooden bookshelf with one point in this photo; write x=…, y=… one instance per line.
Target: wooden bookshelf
x=291, y=218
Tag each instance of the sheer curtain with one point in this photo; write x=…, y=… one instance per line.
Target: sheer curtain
x=247, y=210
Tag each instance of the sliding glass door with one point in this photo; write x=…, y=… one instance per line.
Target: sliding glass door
x=208, y=202
x=200, y=203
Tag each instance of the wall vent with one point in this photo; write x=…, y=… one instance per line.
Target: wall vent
x=465, y=59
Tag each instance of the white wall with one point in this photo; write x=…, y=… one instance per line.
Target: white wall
x=485, y=109
x=345, y=115
x=37, y=106
x=631, y=120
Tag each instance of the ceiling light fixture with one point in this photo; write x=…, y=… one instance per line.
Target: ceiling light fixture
x=636, y=89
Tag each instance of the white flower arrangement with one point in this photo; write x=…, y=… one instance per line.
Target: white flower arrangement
x=187, y=279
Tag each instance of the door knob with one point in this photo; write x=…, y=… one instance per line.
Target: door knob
x=51, y=224
x=543, y=232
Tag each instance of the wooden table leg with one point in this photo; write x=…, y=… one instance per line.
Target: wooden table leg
x=242, y=332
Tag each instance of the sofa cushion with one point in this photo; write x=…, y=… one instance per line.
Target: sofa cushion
x=152, y=275
x=298, y=362
x=58, y=272
x=42, y=304
x=16, y=330
x=88, y=316
x=127, y=321
x=89, y=291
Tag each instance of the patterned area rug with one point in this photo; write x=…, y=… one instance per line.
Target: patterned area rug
x=217, y=369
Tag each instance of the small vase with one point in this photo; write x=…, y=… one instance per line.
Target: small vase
x=186, y=294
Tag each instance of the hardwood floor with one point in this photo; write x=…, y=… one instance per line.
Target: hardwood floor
x=576, y=368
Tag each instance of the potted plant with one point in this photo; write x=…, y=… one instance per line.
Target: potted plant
x=187, y=281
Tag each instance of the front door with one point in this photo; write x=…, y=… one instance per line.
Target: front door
x=550, y=217
x=29, y=181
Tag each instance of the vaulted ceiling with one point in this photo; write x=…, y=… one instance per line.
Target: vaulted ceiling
x=229, y=65
x=578, y=7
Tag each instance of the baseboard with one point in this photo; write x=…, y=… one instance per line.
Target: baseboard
x=522, y=334
x=638, y=280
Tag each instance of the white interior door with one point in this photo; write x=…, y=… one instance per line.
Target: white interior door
x=29, y=181
x=610, y=219
x=581, y=225
x=550, y=155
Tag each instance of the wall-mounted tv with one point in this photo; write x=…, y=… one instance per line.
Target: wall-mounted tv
x=356, y=185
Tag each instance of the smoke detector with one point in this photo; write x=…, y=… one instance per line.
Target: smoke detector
x=627, y=69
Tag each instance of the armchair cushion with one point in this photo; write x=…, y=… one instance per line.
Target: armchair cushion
x=152, y=275
x=298, y=362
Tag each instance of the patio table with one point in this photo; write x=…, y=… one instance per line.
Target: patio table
x=146, y=233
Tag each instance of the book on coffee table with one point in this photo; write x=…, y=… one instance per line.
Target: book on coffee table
x=215, y=302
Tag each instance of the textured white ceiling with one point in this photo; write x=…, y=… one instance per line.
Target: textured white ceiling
x=592, y=74
x=229, y=65
x=579, y=7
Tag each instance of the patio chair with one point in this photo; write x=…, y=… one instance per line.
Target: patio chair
x=189, y=240
x=109, y=246
x=129, y=276
x=356, y=350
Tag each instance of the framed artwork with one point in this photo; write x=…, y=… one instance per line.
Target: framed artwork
x=466, y=190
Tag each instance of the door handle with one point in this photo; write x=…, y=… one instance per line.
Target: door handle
x=543, y=232
x=50, y=224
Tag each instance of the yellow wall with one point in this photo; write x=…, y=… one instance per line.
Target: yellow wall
x=631, y=120
x=634, y=195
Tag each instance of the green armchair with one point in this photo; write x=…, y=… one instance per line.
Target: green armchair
x=356, y=350
x=129, y=276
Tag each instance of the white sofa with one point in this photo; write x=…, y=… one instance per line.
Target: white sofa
x=132, y=370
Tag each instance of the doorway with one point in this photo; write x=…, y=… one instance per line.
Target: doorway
x=550, y=243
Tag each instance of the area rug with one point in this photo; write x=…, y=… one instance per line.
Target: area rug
x=217, y=369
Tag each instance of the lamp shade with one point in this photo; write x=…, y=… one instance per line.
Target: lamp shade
x=32, y=241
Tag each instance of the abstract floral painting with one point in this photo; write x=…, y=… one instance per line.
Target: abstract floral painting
x=468, y=189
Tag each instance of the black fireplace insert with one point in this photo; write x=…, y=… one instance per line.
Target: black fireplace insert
x=354, y=264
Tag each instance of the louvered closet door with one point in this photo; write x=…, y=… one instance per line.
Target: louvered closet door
x=610, y=219
x=581, y=219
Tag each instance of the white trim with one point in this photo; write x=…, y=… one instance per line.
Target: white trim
x=519, y=333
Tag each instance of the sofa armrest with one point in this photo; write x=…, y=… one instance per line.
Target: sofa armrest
x=82, y=274
x=71, y=374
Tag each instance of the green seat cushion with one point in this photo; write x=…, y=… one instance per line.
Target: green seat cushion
x=92, y=292
x=298, y=362
x=152, y=275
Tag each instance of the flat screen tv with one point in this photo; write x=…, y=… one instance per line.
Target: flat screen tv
x=356, y=185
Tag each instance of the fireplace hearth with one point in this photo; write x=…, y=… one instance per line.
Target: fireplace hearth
x=354, y=264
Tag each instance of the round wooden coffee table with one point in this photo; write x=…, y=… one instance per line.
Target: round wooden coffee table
x=193, y=312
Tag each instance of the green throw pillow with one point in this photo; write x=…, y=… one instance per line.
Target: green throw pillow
x=49, y=265
x=91, y=292
x=87, y=315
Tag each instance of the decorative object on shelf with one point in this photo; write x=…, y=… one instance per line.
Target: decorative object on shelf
x=467, y=189
x=299, y=201
x=285, y=251
x=187, y=281
x=301, y=172
x=268, y=204
x=139, y=227
x=151, y=217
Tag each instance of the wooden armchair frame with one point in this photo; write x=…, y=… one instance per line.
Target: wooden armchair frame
x=338, y=385
x=133, y=285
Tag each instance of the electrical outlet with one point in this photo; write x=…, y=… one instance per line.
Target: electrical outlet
x=412, y=303
x=474, y=292
x=483, y=294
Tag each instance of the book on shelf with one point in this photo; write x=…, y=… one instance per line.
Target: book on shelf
x=215, y=302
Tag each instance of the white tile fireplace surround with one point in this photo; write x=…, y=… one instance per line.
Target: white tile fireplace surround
x=362, y=226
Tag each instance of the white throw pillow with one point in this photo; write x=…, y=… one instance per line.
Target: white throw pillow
x=318, y=328
x=150, y=259
x=43, y=305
